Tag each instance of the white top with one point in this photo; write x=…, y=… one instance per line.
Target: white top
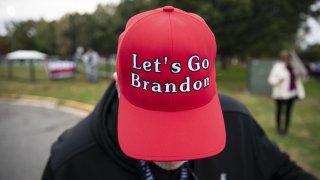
x=279, y=79
x=90, y=58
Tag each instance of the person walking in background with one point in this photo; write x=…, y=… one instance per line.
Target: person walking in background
x=90, y=59
x=287, y=86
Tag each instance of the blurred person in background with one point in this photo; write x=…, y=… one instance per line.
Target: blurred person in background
x=286, y=82
x=90, y=59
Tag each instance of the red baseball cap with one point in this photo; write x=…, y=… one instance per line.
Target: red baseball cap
x=169, y=108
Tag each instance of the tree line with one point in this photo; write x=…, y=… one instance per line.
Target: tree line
x=243, y=28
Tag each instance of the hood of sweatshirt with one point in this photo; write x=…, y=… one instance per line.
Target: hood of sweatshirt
x=104, y=127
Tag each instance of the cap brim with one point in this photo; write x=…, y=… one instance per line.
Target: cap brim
x=171, y=136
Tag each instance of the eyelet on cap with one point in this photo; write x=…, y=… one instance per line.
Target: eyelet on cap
x=168, y=9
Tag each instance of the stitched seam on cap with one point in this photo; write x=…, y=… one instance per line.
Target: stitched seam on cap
x=171, y=96
x=210, y=32
x=207, y=28
x=206, y=25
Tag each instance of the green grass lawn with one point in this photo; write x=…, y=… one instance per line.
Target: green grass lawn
x=77, y=88
x=302, y=143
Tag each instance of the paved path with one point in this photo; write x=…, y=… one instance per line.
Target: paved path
x=27, y=130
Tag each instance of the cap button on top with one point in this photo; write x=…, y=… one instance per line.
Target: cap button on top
x=168, y=9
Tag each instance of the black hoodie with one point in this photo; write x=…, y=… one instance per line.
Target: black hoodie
x=90, y=150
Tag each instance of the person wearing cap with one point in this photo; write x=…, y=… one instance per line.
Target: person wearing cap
x=167, y=120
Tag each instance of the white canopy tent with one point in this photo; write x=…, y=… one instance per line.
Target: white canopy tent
x=28, y=55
